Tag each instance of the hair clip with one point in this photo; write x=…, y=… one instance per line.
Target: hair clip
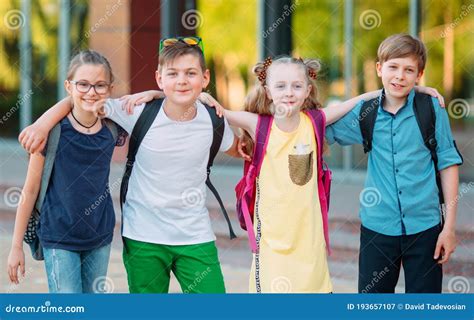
x=262, y=76
x=312, y=74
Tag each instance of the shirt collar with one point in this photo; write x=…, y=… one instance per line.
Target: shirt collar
x=409, y=103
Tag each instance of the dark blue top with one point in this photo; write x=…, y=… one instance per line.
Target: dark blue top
x=77, y=212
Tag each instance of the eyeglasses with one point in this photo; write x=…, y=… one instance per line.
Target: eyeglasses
x=190, y=41
x=84, y=87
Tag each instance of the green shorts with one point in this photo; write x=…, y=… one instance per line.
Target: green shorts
x=196, y=267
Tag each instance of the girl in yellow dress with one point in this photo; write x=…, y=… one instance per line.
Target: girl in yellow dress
x=291, y=247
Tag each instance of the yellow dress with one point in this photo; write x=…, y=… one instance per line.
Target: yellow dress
x=288, y=222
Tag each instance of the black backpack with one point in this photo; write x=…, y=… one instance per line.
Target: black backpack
x=139, y=131
x=426, y=119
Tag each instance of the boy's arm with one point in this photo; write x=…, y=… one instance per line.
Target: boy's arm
x=33, y=138
x=446, y=243
x=448, y=161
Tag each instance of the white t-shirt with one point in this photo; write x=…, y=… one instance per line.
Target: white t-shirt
x=166, y=195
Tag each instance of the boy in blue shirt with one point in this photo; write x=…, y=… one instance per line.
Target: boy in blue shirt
x=403, y=226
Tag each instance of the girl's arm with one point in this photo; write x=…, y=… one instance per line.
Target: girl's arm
x=242, y=119
x=30, y=191
x=130, y=101
x=33, y=138
x=337, y=111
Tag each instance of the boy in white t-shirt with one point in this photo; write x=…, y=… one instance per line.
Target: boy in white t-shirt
x=166, y=226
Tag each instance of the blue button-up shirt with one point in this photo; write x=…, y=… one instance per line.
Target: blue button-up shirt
x=400, y=194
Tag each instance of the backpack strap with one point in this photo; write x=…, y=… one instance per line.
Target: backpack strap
x=218, y=127
x=426, y=118
x=139, y=131
x=51, y=149
x=31, y=236
x=119, y=134
x=367, y=117
x=262, y=134
x=112, y=127
x=318, y=120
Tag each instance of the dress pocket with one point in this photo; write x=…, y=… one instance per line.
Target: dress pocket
x=301, y=168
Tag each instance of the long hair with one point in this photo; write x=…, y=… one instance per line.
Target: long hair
x=257, y=100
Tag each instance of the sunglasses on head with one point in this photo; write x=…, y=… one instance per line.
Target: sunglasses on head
x=190, y=41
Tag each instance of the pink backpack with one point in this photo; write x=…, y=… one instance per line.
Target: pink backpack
x=245, y=189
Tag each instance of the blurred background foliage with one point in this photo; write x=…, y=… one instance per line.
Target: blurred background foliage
x=229, y=30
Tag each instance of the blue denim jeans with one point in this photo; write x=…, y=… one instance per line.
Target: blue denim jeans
x=77, y=271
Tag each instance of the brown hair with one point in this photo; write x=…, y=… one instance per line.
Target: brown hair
x=400, y=46
x=258, y=102
x=89, y=57
x=179, y=49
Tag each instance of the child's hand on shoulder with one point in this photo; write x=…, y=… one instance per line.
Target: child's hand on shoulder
x=33, y=138
x=432, y=92
x=130, y=101
x=206, y=98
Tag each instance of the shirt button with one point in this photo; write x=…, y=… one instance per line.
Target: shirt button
x=395, y=152
x=394, y=134
x=403, y=216
x=396, y=170
x=399, y=192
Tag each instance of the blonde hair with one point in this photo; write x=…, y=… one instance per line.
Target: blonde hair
x=257, y=100
x=89, y=57
x=402, y=45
